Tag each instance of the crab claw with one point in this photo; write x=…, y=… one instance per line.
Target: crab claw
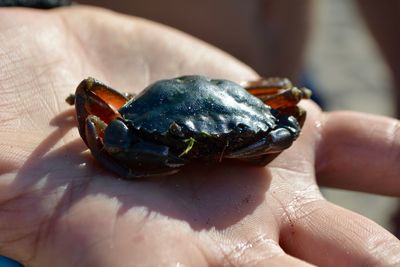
x=93, y=98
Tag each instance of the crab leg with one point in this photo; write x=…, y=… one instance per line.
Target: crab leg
x=276, y=92
x=279, y=94
x=266, y=86
x=287, y=98
x=266, y=149
x=276, y=141
x=95, y=98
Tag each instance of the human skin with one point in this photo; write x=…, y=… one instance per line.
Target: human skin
x=58, y=207
x=269, y=35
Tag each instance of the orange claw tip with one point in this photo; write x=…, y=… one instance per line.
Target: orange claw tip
x=89, y=82
x=307, y=93
x=301, y=93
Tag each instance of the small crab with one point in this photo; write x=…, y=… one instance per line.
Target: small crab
x=173, y=122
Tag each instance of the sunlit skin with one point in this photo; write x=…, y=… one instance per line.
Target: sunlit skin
x=58, y=208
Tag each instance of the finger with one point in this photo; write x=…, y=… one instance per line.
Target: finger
x=328, y=235
x=278, y=261
x=365, y=145
x=260, y=252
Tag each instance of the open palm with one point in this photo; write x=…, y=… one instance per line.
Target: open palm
x=58, y=207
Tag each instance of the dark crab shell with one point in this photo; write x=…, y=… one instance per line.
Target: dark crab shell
x=175, y=122
x=212, y=112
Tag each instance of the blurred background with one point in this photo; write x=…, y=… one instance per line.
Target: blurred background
x=345, y=50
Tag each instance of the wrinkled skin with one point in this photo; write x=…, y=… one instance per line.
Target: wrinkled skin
x=57, y=208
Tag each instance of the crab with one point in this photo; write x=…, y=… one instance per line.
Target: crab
x=190, y=118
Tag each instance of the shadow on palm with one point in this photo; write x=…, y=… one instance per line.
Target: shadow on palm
x=204, y=196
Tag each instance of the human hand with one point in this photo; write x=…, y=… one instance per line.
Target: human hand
x=58, y=207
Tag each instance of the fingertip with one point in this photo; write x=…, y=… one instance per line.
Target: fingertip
x=328, y=235
x=359, y=152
